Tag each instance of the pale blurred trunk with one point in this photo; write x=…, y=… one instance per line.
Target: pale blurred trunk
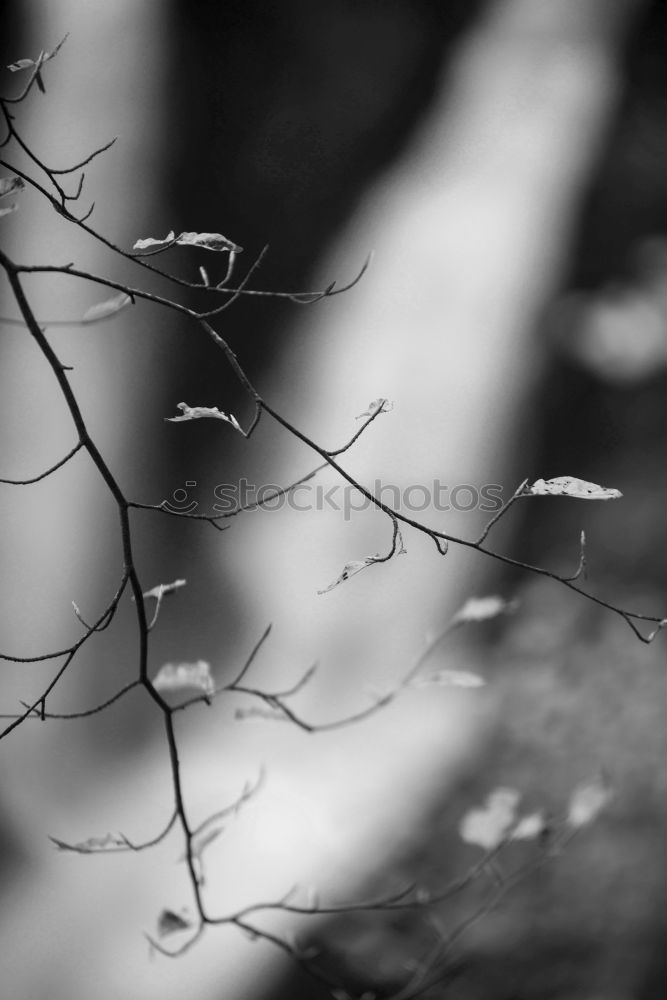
x=470, y=226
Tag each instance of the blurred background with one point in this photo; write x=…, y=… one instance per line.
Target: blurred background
x=505, y=161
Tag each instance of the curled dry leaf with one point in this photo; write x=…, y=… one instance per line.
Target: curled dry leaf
x=479, y=609
x=163, y=589
x=93, y=845
x=10, y=185
x=208, y=241
x=170, y=922
x=177, y=676
x=488, y=826
x=107, y=308
x=587, y=801
x=356, y=566
x=197, y=412
x=569, y=486
x=379, y=405
x=41, y=59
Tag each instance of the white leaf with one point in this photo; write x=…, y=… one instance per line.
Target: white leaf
x=479, y=609
x=452, y=678
x=568, y=486
x=150, y=242
x=176, y=676
x=487, y=827
x=529, y=827
x=8, y=185
x=197, y=412
x=587, y=802
x=107, y=308
x=209, y=241
x=163, y=589
x=379, y=405
x=21, y=64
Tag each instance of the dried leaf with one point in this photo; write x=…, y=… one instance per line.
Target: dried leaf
x=170, y=922
x=487, y=827
x=479, y=609
x=93, y=845
x=568, y=486
x=176, y=676
x=196, y=412
x=8, y=211
x=21, y=64
x=8, y=185
x=529, y=827
x=587, y=801
x=452, y=678
x=208, y=241
x=377, y=406
x=163, y=589
x=41, y=59
x=107, y=308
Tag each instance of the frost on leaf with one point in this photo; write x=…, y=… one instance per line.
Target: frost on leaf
x=587, y=802
x=452, y=678
x=170, y=922
x=177, y=676
x=488, y=826
x=479, y=609
x=107, y=308
x=568, y=486
x=208, y=241
x=379, y=405
x=196, y=412
x=10, y=185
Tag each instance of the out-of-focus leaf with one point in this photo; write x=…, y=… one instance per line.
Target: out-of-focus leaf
x=488, y=826
x=379, y=405
x=208, y=241
x=8, y=210
x=569, y=486
x=102, y=310
x=479, y=609
x=529, y=827
x=170, y=922
x=21, y=64
x=9, y=185
x=93, y=845
x=587, y=801
x=452, y=678
x=197, y=412
x=177, y=676
x=201, y=840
